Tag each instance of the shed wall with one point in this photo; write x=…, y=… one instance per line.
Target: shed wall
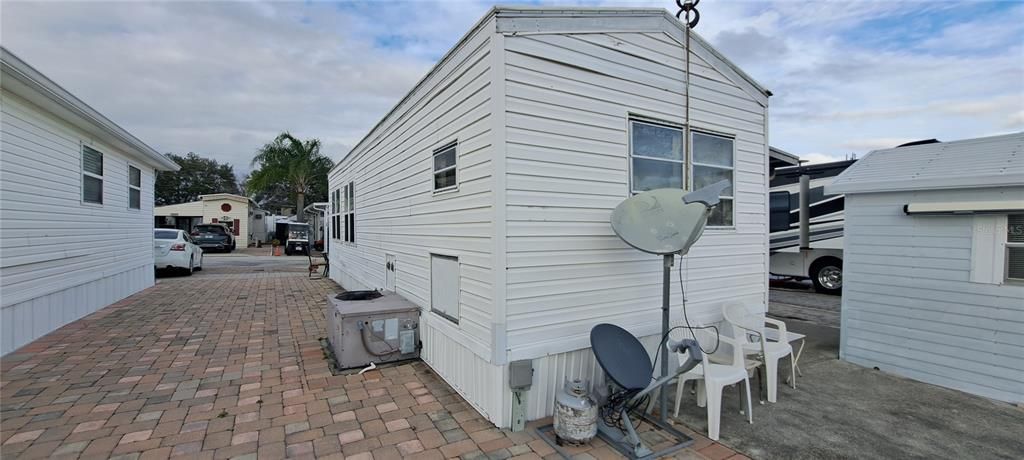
x=569, y=100
x=397, y=213
x=60, y=258
x=909, y=306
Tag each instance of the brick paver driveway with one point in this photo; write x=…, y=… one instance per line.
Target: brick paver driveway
x=227, y=363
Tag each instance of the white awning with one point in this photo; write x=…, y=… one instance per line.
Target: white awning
x=965, y=207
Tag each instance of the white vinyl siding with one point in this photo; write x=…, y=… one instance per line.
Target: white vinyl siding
x=134, y=187
x=444, y=286
x=397, y=212
x=446, y=172
x=570, y=99
x=910, y=306
x=712, y=160
x=61, y=257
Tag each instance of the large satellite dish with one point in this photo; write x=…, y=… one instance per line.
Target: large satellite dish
x=667, y=220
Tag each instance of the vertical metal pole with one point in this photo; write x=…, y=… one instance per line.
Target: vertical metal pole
x=805, y=211
x=666, y=289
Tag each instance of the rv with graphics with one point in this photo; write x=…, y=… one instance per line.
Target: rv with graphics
x=812, y=247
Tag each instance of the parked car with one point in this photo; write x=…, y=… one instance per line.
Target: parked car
x=175, y=249
x=214, y=237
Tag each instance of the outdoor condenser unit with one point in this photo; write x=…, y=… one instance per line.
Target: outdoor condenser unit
x=366, y=326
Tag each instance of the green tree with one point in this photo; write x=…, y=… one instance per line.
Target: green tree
x=197, y=176
x=294, y=165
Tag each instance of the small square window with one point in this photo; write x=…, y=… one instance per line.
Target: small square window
x=445, y=168
x=656, y=153
x=713, y=162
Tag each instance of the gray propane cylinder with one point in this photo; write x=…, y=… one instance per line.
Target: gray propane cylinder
x=575, y=417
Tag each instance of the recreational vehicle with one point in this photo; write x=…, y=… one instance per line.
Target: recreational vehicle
x=819, y=256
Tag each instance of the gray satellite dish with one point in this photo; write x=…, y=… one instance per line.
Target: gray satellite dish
x=666, y=220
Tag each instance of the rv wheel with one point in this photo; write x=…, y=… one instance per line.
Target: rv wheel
x=827, y=275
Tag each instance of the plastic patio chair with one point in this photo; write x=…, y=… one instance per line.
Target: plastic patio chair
x=712, y=378
x=747, y=327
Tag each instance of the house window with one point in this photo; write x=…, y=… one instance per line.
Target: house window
x=350, y=212
x=656, y=156
x=134, y=187
x=712, y=162
x=336, y=214
x=1015, y=247
x=444, y=286
x=92, y=175
x=445, y=168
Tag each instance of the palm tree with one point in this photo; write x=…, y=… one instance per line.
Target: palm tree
x=295, y=165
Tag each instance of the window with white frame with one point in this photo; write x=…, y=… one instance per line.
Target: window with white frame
x=134, y=187
x=713, y=161
x=336, y=214
x=92, y=175
x=445, y=168
x=444, y=286
x=656, y=156
x=350, y=212
x=1015, y=247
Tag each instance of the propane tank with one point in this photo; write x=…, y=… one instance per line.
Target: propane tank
x=575, y=417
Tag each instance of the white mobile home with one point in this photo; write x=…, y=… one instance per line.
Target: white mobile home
x=934, y=264
x=489, y=187
x=76, y=207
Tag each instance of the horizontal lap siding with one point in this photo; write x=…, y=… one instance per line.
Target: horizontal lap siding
x=909, y=307
x=51, y=243
x=397, y=212
x=568, y=101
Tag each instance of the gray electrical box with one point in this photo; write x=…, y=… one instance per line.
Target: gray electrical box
x=365, y=327
x=520, y=374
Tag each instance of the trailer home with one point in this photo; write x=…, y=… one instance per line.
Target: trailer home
x=934, y=261
x=76, y=207
x=485, y=195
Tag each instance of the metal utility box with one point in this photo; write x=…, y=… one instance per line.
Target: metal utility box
x=365, y=327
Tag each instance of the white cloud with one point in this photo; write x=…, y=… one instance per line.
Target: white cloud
x=222, y=78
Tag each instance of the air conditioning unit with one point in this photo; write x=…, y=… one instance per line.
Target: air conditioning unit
x=367, y=326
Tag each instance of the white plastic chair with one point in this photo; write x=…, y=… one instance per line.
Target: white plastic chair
x=747, y=327
x=711, y=379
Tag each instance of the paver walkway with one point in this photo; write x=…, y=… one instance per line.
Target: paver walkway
x=227, y=364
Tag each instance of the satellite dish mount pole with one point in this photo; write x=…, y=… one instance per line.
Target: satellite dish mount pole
x=666, y=289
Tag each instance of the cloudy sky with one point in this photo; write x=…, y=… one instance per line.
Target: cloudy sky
x=222, y=78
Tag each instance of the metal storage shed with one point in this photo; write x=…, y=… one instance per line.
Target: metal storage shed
x=485, y=195
x=934, y=264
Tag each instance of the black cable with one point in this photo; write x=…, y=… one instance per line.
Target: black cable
x=664, y=338
x=682, y=293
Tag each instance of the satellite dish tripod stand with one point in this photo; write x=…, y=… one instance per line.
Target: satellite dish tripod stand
x=621, y=356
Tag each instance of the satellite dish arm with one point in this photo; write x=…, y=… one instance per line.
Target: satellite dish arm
x=693, y=358
x=707, y=195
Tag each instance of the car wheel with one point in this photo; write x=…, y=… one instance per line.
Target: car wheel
x=200, y=267
x=191, y=267
x=827, y=275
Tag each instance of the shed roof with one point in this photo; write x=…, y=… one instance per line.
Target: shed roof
x=25, y=81
x=996, y=161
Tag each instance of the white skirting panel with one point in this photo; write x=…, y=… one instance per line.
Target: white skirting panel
x=26, y=321
x=479, y=382
x=551, y=372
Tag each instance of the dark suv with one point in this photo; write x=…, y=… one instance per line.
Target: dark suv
x=214, y=237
